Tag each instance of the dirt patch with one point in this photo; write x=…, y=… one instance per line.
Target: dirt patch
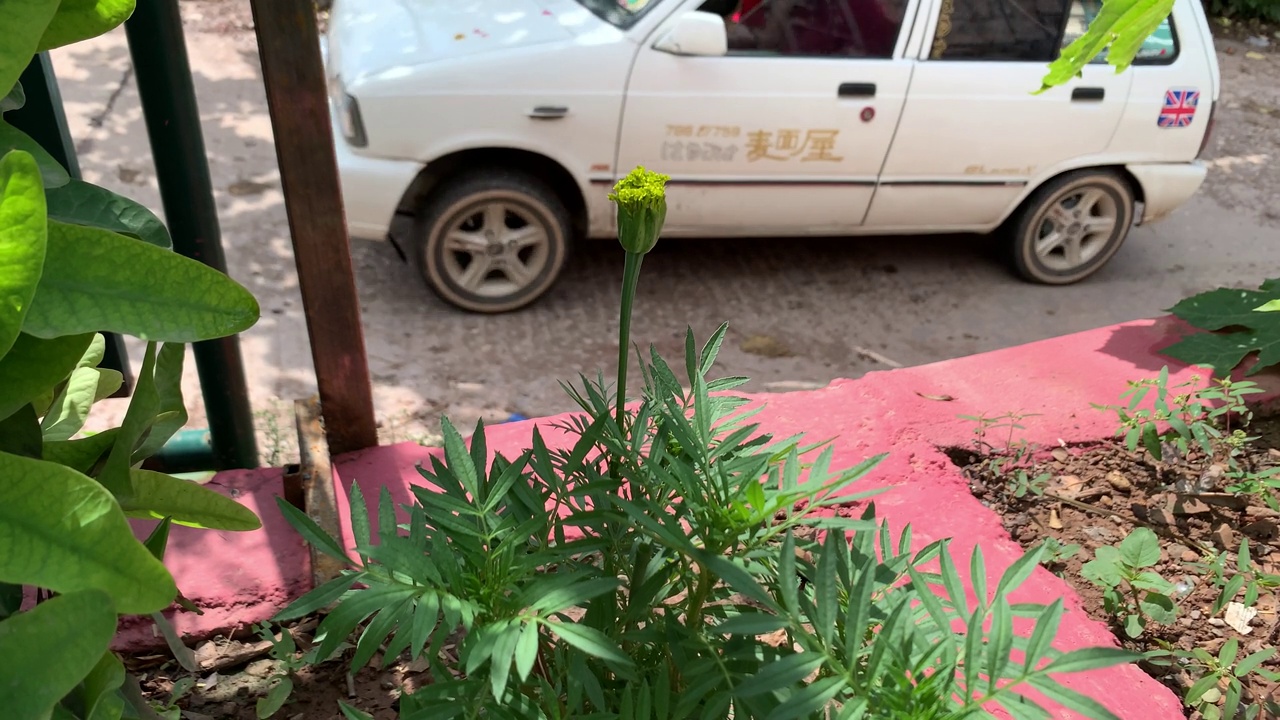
x=1192, y=505
x=235, y=673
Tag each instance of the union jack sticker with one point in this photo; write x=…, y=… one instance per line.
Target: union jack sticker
x=1179, y=108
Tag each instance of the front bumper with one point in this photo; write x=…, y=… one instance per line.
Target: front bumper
x=1166, y=186
x=371, y=187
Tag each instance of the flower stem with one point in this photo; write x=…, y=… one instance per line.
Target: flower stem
x=630, y=278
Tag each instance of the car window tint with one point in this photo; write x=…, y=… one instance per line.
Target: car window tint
x=1008, y=30
x=1160, y=47
x=811, y=28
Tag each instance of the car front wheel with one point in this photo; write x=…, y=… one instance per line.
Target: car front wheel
x=492, y=242
x=1072, y=226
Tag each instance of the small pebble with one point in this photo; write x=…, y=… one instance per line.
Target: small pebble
x=1195, y=614
x=1189, y=556
x=1217, y=622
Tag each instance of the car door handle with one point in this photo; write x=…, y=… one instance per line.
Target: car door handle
x=849, y=90
x=1088, y=94
x=548, y=112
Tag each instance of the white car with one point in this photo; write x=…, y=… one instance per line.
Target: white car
x=501, y=125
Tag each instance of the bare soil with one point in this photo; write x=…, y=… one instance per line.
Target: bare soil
x=1097, y=494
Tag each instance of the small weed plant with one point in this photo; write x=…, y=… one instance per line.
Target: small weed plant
x=1218, y=691
x=1212, y=419
x=667, y=559
x=1132, y=593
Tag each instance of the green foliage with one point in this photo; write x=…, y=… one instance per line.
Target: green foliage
x=1198, y=417
x=1234, y=577
x=1132, y=594
x=46, y=652
x=1120, y=29
x=1056, y=553
x=76, y=260
x=22, y=241
x=1226, y=669
x=1237, y=326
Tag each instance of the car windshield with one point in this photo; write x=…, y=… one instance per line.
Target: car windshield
x=620, y=13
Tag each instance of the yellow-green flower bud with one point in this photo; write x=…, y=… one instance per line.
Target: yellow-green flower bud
x=641, y=198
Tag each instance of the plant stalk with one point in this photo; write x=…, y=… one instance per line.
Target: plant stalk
x=630, y=278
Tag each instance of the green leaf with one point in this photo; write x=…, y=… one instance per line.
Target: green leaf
x=1159, y=608
x=1245, y=330
x=164, y=388
x=1151, y=580
x=590, y=641
x=317, y=598
x=100, y=686
x=78, y=20
x=24, y=22
x=1141, y=548
x=50, y=172
x=808, y=700
x=751, y=623
x=116, y=475
x=33, y=366
x=351, y=713
x=158, y=541
x=275, y=698
x=82, y=203
x=63, y=531
x=83, y=453
x=1122, y=25
x=183, y=654
x=14, y=100
x=1134, y=625
x=1092, y=658
x=97, y=280
x=46, y=652
x=1105, y=569
x=311, y=532
x=23, y=232
x=569, y=595
x=780, y=674
x=20, y=434
x=70, y=407
x=10, y=599
x=157, y=495
x=526, y=650
x=1042, y=637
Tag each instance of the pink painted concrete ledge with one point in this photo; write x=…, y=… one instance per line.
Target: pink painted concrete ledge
x=243, y=578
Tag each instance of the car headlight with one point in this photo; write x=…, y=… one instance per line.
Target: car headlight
x=348, y=111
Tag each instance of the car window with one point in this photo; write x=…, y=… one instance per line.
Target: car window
x=1160, y=47
x=811, y=28
x=1008, y=30
x=619, y=13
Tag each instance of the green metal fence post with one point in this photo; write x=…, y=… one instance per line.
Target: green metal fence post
x=163, y=74
x=43, y=119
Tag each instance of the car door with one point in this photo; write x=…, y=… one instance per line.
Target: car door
x=786, y=133
x=973, y=134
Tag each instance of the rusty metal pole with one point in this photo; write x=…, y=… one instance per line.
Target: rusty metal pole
x=289, y=46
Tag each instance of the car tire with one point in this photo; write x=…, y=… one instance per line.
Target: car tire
x=1070, y=227
x=514, y=224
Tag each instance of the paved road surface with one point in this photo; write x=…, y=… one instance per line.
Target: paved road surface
x=801, y=312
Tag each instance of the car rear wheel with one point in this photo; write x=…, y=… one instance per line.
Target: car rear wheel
x=1072, y=226
x=492, y=242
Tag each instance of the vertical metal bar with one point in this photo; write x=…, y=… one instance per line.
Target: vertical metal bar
x=289, y=45
x=163, y=74
x=43, y=119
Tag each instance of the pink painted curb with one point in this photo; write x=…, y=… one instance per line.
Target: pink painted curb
x=899, y=411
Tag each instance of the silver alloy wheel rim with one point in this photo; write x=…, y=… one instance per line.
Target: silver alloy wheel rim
x=1075, y=227
x=495, y=249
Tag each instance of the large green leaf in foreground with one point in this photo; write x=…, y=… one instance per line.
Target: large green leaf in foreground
x=1237, y=327
x=22, y=241
x=47, y=651
x=97, y=280
x=78, y=20
x=1120, y=28
x=156, y=496
x=24, y=23
x=63, y=531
